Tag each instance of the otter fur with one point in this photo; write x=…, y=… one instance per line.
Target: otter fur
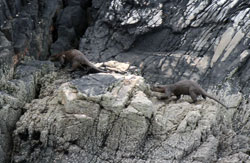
x=184, y=87
x=76, y=58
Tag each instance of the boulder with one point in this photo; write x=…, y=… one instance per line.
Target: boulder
x=107, y=117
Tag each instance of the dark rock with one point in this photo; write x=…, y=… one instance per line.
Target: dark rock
x=204, y=45
x=94, y=85
x=34, y=27
x=28, y=25
x=7, y=60
x=71, y=24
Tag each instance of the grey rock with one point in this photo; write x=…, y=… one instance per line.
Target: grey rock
x=93, y=85
x=71, y=23
x=15, y=91
x=7, y=60
x=110, y=117
x=238, y=157
x=193, y=40
x=27, y=25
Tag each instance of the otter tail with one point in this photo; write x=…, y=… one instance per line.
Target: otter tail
x=211, y=97
x=94, y=67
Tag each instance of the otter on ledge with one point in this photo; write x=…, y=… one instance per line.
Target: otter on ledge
x=76, y=58
x=184, y=87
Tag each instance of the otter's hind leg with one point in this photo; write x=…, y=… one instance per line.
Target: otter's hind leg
x=74, y=66
x=193, y=96
x=177, y=97
x=203, y=96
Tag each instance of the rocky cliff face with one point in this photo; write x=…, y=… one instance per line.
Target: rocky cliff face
x=115, y=118
x=111, y=117
x=22, y=87
x=206, y=41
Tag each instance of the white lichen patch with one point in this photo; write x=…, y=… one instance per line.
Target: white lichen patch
x=144, y=15
x=67, y=94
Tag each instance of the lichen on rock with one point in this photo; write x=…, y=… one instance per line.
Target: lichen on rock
x=113, y=117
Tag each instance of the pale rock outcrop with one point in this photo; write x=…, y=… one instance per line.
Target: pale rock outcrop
x=115, y=118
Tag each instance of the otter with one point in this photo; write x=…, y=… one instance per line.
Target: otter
x=76, y=58
x=184, y=87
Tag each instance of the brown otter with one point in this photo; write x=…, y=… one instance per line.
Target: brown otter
x=76, y=58
x=184, y=87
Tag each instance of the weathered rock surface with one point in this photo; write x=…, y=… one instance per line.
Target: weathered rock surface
x=28, y=25
x=40, y=27
x=15, y=91
x=113, y=118
x=70, y=25
x=7, y=59
x=207, y=41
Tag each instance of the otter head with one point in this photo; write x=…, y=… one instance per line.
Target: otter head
x=158, y=88
x=54, y=57
x=57, y=57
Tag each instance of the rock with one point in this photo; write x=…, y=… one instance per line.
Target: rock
x=141, y=103
x=9, y=105
x=189, y=40
x=238, y=157
x=111, y=117
x=74, y=119
x=189, y=122
x=15, y=92
x=206, y=152
x=39, y=28
x=31, y=23
x=7, y=59
x=71, y=24
x=115, y=66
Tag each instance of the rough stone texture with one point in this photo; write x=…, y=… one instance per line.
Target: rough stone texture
x=70, y=25
x=40, y=27
x=28, y=25
x=8, y=117
x=239, y=157
x=114, y=118
x=207, y=41
x=15, y=91
x=7, y=60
